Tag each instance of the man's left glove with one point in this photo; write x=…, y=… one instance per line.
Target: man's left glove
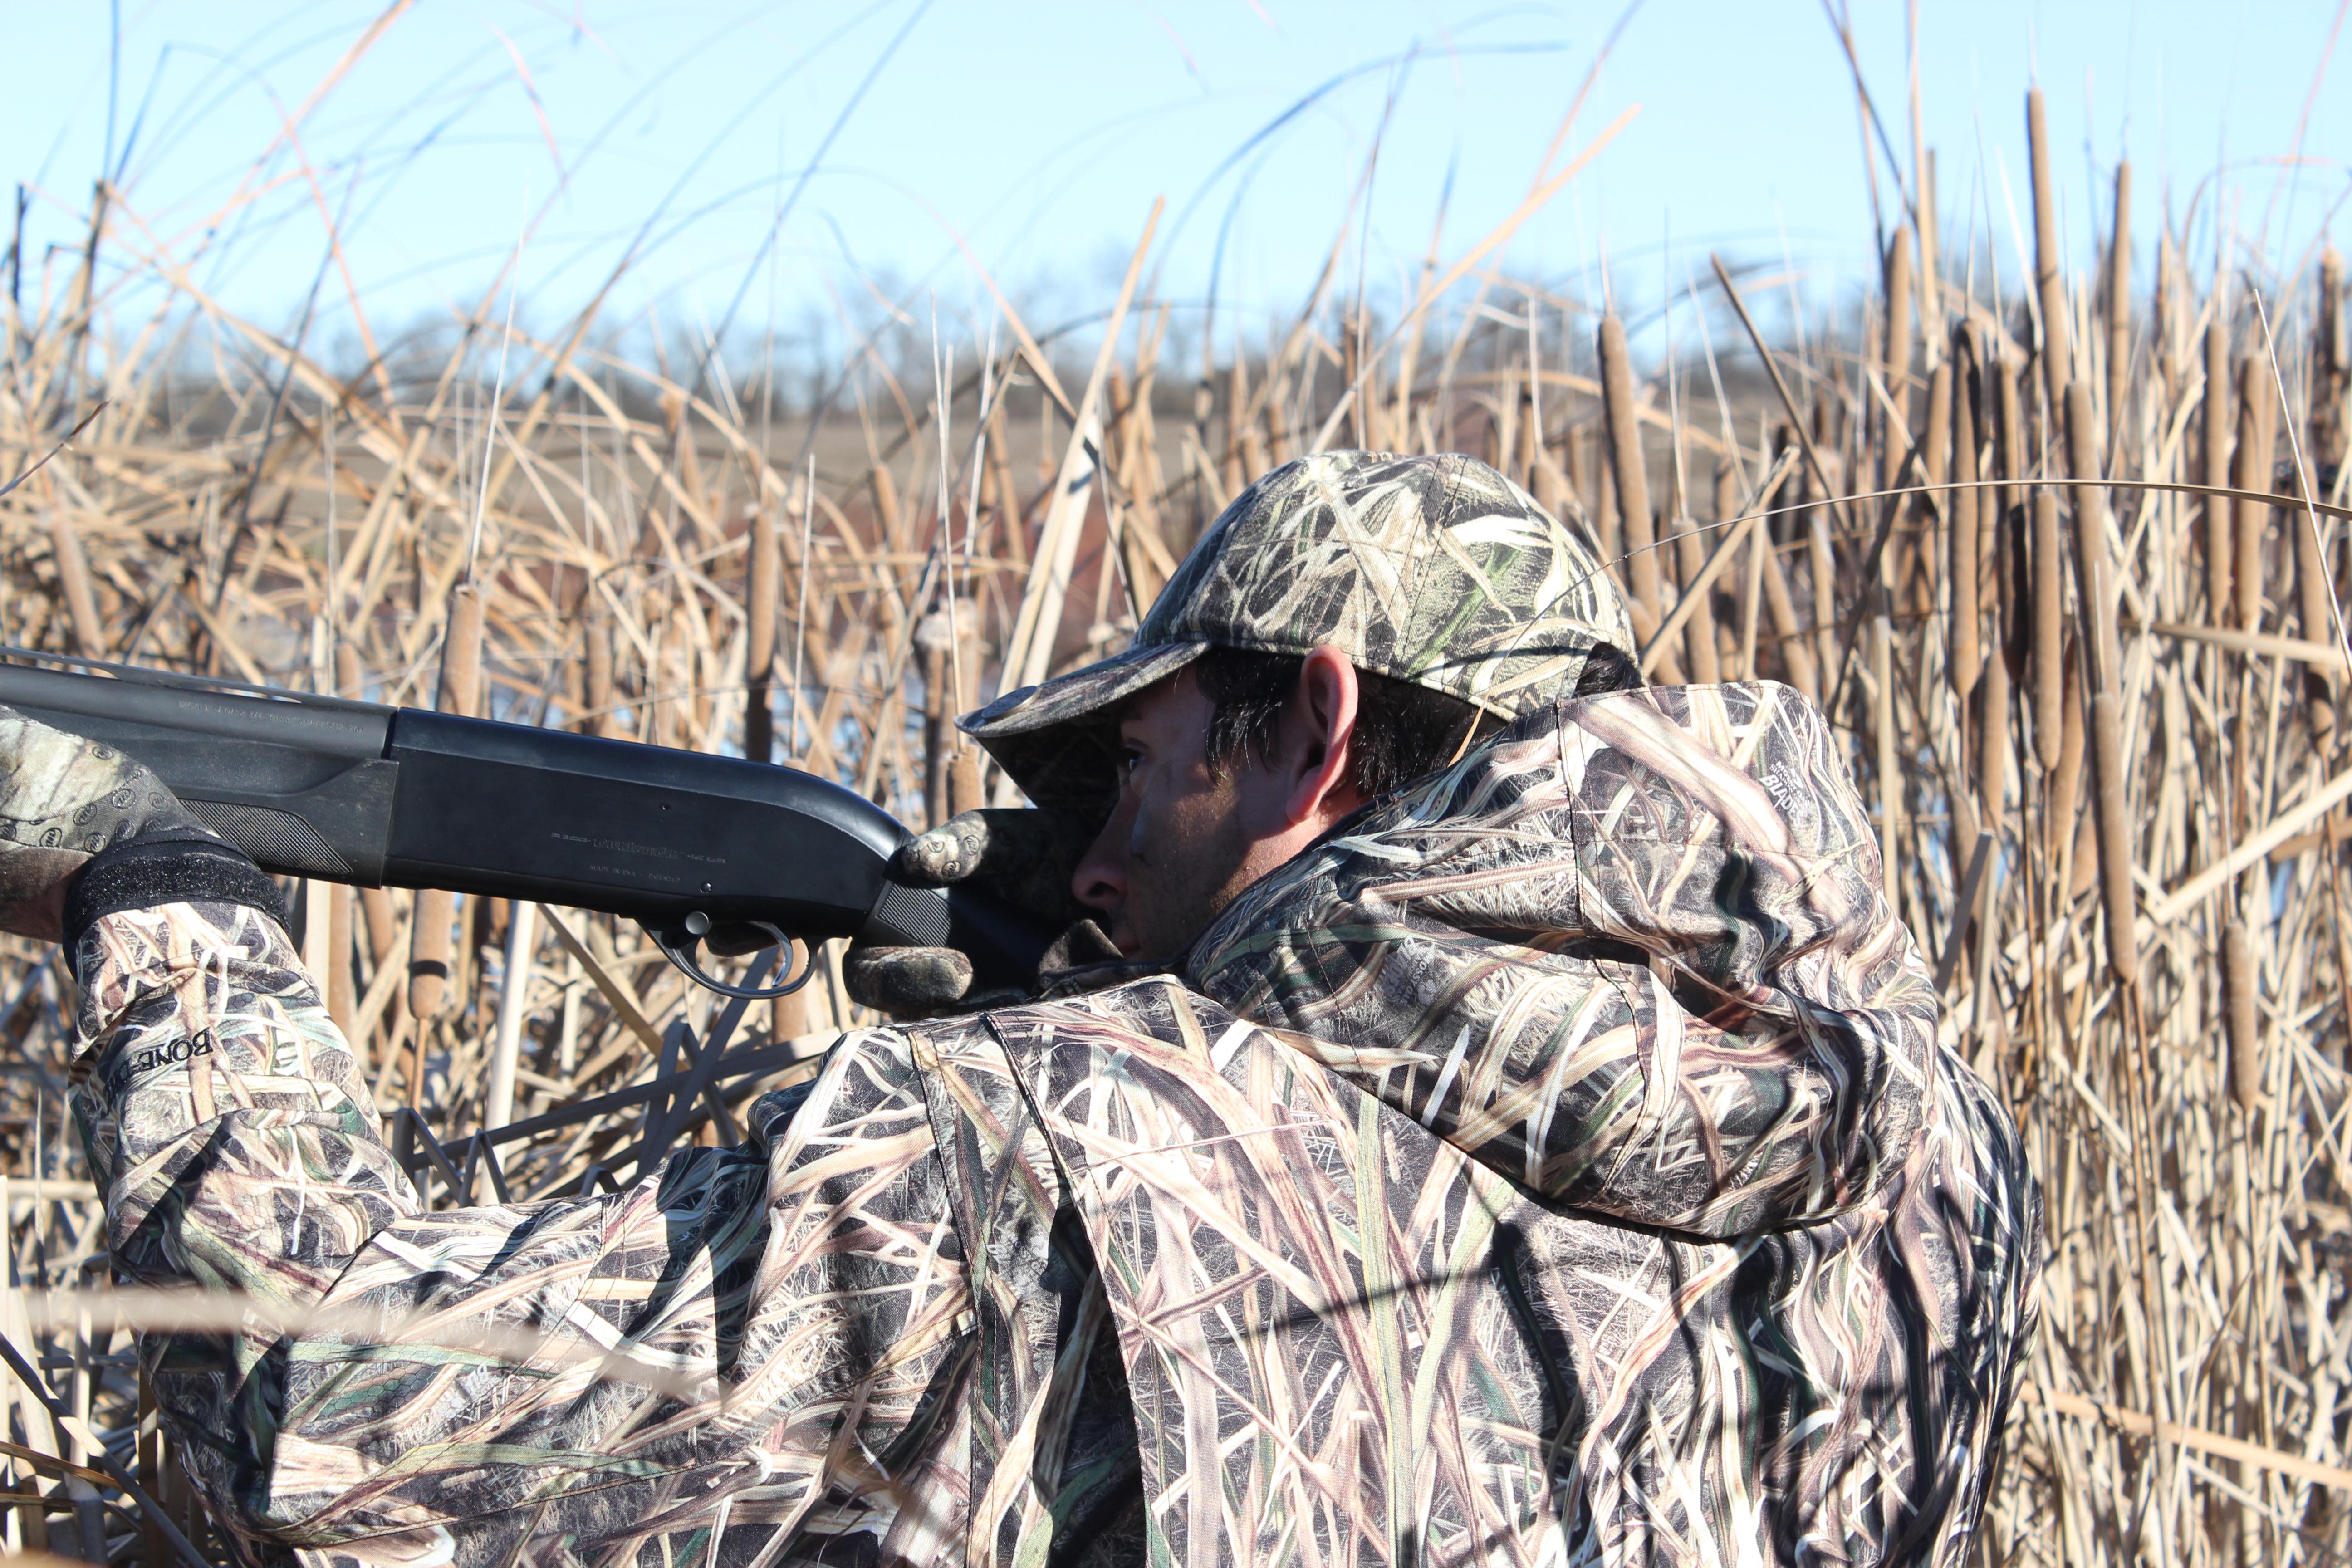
x=63, y=800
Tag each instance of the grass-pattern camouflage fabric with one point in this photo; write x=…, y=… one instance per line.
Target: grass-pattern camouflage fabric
x=63, y=799
x=1587, y=1188
x=806, y=1288
x=1632, y=956
x=1437, y=570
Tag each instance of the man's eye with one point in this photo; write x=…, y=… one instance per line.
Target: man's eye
x=1130, y=759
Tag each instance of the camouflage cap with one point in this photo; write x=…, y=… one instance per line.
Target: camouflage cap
x=1435, y=570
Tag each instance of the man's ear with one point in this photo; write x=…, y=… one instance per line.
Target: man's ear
x=1318, y=744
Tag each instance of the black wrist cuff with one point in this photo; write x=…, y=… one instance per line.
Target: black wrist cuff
x=170, y=866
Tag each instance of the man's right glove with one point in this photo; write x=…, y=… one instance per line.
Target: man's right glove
x=1022, y=856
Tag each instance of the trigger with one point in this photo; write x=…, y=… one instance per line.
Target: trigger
x=733, y=939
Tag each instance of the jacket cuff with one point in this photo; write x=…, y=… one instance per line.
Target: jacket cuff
x=170, y=866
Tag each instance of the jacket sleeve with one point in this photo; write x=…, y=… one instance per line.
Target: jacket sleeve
x=749, y=1330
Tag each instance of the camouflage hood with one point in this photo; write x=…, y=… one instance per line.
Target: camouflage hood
x=1435, y=570
x=1684, y=869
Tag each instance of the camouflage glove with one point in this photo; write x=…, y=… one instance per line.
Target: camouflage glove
x=1024, y=858
x=62, y=800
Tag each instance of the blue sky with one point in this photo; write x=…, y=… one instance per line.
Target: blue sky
x=1037, y=134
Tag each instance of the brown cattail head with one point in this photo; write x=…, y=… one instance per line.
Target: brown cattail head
x=1895, y=367
x=1926, y=549
x=2250, y=469
x=2066, y=792
x=2049, y=281
x=2118, y=897
x=2169, y=318
x=1895, y=350
x=382, y=922
x=965, y=787
x=596, y=684
x=460, y=687
x=2315, y=605
x=763, y=576
x=2016, y=453
x=1961, y=506
x=1992, y=744
x=431, y=947
x=2313, y=597
x=2331, y=367
x=934, y=638
x=2050, y=693
x=2221, y=534
x=342, y=1001
x=1632, y=475
x=2241, y=1006
x=459, y=691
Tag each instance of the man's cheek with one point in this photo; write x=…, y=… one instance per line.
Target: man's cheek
x=1154, y=846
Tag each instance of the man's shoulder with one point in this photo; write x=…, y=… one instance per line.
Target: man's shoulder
x=1121, y=991
x=1723, y=713
x=1753, y=756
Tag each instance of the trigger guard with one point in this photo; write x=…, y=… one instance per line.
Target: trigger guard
x=680, y=948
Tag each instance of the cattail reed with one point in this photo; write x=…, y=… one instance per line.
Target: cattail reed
x=2066, y=783
x=2216, y=471
x=2331, y=367
x=2048, y=279
x=459, y=691
x=1992, y=744
x=1703, y=660
x=1962, y=506
x=2050, y=694
x=1631, y=474
x=654, y=566
x=1895, y=367
x=2241, y=1000
x=1938, y=508
x=763, y=576
x=2250, y=470
x=73, y=578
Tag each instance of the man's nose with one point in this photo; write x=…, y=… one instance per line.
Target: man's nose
x=1100, y=880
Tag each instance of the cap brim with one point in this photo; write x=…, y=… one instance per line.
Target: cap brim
x=1056, y=740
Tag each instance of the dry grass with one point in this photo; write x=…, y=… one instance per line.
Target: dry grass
x=1987, y=531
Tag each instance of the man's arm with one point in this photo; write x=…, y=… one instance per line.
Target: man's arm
x=747, y=1335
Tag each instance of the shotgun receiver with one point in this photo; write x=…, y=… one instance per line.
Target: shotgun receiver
x=698, y=849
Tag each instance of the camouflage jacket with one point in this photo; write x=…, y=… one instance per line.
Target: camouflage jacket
x=1555, y=1164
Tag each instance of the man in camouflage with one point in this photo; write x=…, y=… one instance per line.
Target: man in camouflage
x=1551, y=1160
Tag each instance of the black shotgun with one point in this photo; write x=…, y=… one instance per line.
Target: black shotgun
x=698, y=849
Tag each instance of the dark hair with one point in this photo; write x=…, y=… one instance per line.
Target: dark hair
x=1402, y=730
